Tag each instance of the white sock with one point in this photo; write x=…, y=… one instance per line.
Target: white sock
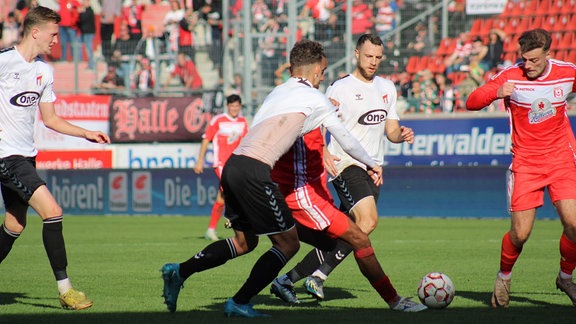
x=503, y=276
x=320, y=275
x=564, y=275
x=64, y=285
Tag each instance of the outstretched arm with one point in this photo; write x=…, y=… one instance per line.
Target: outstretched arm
x=60, y=125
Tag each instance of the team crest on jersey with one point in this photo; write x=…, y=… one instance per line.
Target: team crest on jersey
x=385, y=98
x=39, y=80
x=558, y=92
x=541, y=110
x=373, y=117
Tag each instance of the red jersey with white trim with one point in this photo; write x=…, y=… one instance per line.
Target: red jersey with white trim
x=539, y=125
x=225, y=133
x=302, y=163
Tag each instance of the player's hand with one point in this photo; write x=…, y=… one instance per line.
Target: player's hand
x=199, y=167
x=330, y=163
x=505, y=90
x=376, y=174
x=97, y=137
x=407, y=134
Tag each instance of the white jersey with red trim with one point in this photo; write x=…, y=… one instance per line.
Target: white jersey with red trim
x=539, y=125
x=364, y=108
x=23, y=85
x=225, y=133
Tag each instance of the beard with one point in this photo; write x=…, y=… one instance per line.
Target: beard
x=365, y=74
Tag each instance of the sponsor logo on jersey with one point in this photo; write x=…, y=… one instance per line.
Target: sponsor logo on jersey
x=25, y=99
x=373, y=117
x=541, y=110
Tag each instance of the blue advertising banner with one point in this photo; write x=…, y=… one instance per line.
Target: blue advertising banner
x=453, y=142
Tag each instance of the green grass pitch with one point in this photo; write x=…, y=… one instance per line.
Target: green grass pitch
x=116, y=261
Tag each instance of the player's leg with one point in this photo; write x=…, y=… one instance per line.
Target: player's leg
x=567, y=211
x=215, y=215
x=525, y=194
x=563, y=194
x=369, y=265
x=46, y=206
x=14, y=221
x=217, y=210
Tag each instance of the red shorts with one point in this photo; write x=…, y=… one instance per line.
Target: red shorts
x=526, y=189
x=312, y=206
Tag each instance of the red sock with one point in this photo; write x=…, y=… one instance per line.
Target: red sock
x=508, y=255
x=385, y=289
x=217, y=211
x=567, y=255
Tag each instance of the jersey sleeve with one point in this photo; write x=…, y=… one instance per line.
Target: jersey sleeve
x=48, y=94
x=211, y=129
x=484, y=95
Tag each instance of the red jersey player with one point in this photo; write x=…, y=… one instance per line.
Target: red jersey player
x=534, y=93
x=225, y=132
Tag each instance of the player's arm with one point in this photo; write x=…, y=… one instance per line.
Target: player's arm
x=398, y=134
x=60, y=125
x=199, y=167
x=483, y=96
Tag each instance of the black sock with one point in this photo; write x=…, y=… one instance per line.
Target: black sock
x=212, y=256
x=335, y=257
x=262, y=274
x=55, y=247
x=304, y=268
x=7, y=239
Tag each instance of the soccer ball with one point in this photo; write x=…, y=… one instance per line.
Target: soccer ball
x=436, y=290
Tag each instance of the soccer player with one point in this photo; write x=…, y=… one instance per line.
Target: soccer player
x=26, y=86
x=368, y=110
x=534, y=92
x=254, y=205
x=225, y=131
x=301, y=177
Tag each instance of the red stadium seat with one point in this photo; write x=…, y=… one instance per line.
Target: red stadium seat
x=557, y=7
x=412, y=65
x=446, y=46
x=571, y=56
x=476, y=27
x=436, y=64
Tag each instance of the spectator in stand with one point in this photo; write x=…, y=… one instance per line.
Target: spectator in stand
x=385, y=17
x=144, y=79
x=461, y=55
x=172, y=24
x=269, y=56
x=68, y=28
x=476, y=69
x=464, y=89
x=10, y=31
x=186, y=71
x=260, y=13
x=124, y=48
x=215, y=21
x=421, y=44
x=478, y=53
x=186, y=38
x=414, y=98
x=393, y=60
x=87, y=26
x=324, y=19
x=405, y=84
x=446, y=92
x=495, y=48
x=111, y=83
x=361, y=19
x=111, y=9
x=132, y=16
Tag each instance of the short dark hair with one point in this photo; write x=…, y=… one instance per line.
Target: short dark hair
x=38, y=16
x=533, y=39
x=233, y=98
x=306, y=52
x=374, y=39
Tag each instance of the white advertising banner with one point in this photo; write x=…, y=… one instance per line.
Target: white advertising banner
x=485, y=7
x=158, y=155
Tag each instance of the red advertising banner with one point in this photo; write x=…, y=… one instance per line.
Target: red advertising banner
x=155, y=119
x=83, y=107
x=63, y=160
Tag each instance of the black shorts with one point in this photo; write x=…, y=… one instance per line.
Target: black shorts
x=253, y=201
x=352, y=185
x=19, y=179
